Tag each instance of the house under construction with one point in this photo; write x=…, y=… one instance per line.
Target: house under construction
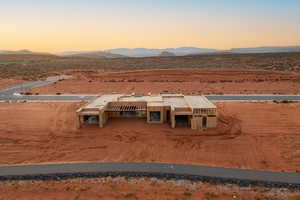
x=176, y=109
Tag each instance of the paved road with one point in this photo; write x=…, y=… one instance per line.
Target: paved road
x=263, y=97
x=11, y=90
x=159, y=170
x=82, y=97
x=47, y=98
x=202, y=173
x=8, y=94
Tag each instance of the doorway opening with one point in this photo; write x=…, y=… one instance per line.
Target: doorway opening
x=182, y=120
x=129, y=114
x=91, y=120
x=168, y=117
x=204, y=122
x=155, y=116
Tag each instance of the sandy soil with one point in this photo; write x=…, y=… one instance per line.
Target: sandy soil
x=250, y=135
x=187, y=81
x=133, y=188
x=4, y=83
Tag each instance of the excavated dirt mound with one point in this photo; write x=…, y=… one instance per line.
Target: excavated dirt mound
x=249, y=135
x=187, y=81
x=136, y=188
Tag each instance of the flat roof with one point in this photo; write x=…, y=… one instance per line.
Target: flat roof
x=102, y=100
x=199, y=102
x=175, y=100
x=132, y=98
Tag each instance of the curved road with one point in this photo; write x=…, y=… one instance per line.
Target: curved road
x=159, y=170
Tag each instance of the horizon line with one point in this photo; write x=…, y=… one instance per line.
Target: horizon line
x=103, y=50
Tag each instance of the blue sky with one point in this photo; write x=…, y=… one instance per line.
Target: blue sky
x=91, y=24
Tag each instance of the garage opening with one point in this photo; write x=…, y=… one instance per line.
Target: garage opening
x=168, y=116
x=182, y=120
x=129, y=114
x=155, y=116
x=91, y=120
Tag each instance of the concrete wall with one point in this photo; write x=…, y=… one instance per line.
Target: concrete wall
x=211, y=122
x=196, y=123
x=102, y=118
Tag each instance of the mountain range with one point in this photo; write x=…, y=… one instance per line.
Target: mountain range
x=266, y=49
x=90, y=54
x=23, y=51
x=144, y=52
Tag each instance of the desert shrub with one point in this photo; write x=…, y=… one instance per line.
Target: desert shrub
x=38, y=66
x=129, y=195
x=283, y=101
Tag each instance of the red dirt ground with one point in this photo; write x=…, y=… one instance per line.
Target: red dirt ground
x=132, y=189
x=250, y=135
x=187, y=81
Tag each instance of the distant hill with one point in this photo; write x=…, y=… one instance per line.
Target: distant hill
x=144, y=52
x=266, y=49
x=90, y=54
x=22, y=52
x=183, y=51
x=138, y=52
x=166, y=54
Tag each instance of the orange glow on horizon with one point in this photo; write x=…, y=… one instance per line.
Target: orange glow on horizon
x=57, y=26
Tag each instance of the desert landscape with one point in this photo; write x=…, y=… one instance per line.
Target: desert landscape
x=250, y=135
x=167, y=100
x=35, y=66
x=260, y=136
x=185, y=81
x=270, y=73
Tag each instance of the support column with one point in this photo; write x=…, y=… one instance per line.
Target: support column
x=148, y=116
x=101, y=120
x=79, y=125
x=81, y=119
x=173, y=121
x=162, y=115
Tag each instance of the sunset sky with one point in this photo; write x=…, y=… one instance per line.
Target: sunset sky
x=57, y=25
